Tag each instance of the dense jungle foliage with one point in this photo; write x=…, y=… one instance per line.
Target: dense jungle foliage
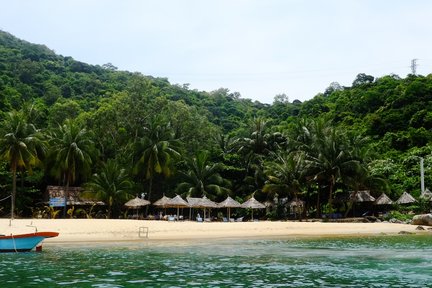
x=119, y=134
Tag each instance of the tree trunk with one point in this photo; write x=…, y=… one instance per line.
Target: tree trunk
x=13, y=193
x=66, y=196
x=330, y=200
x=149, y=194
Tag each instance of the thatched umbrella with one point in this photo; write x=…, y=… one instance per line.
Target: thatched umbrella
x=229, y=203
x=405, y=198
x=193, y=203
x=136, y=203
x=177, y=202
x=162, y=202
x=383, y=199
x=207, y=203
x=252, y=203
x=203, y=203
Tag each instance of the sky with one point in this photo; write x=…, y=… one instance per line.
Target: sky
x=259, y=48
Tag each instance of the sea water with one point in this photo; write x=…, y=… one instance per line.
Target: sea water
x=387, y=261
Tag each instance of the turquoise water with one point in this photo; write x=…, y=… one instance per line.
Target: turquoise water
x=397, y=261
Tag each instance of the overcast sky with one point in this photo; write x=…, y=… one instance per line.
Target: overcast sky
x=259, y=48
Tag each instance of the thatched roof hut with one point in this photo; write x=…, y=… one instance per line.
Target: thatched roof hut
x=361, y=196
x=405, y=198
x=383, y=199
x=74, y=196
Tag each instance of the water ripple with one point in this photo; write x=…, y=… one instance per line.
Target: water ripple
x=363, y=262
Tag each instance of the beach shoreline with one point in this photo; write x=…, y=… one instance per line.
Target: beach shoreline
x=81, y=231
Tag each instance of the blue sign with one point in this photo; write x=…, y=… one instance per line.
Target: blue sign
x=57, y=202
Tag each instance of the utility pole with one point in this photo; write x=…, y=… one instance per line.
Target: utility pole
x=414, y=66
x=422, y=187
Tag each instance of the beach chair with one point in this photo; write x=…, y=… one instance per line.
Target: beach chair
x=171, y=218
x=199, y=219
x=240, y=219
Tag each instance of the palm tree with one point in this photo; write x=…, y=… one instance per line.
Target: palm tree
x=112, y=185
x=285, y=174
x=155, y=152
x=257, y=144
x=72, y=152
x=20, y=145
x=328, y=157
x=202, y=178
x=254, y=149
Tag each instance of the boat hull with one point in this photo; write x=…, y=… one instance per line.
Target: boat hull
x=23, y=242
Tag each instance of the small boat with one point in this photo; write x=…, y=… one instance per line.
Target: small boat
x=24, y=242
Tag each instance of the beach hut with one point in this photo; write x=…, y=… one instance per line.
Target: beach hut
x=382, y=203
x=58, y=196
x=361, y=196
x=358, y=201
x=252, y=203
x=405, y=198
x=136, y=203
x=177, y=202
x=383, y=199
x=229, y=203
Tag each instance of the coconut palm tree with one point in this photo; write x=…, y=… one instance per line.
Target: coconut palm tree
x=286, y=174
x=20, y=145
x=202, y=178
x=329, y=157
x=254, y=149
x=111, y=185
x=72, y=152
x=155, y=152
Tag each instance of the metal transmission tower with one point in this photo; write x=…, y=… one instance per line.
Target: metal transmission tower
x=414, y=66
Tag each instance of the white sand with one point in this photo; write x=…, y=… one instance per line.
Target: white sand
x=102, y=230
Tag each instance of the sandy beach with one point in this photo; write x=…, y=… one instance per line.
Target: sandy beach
x=107, y=230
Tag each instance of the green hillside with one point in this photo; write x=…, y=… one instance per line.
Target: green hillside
x=119, y=134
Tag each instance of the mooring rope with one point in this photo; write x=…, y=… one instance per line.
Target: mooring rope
x=13, y=240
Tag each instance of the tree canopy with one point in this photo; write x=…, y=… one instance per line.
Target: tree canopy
x=158, y=138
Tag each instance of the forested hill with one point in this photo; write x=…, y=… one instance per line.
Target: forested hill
x=34, y=72
x=398, y=109
x=243, y=139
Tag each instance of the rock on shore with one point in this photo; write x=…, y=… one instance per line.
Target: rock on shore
x=423, y=219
